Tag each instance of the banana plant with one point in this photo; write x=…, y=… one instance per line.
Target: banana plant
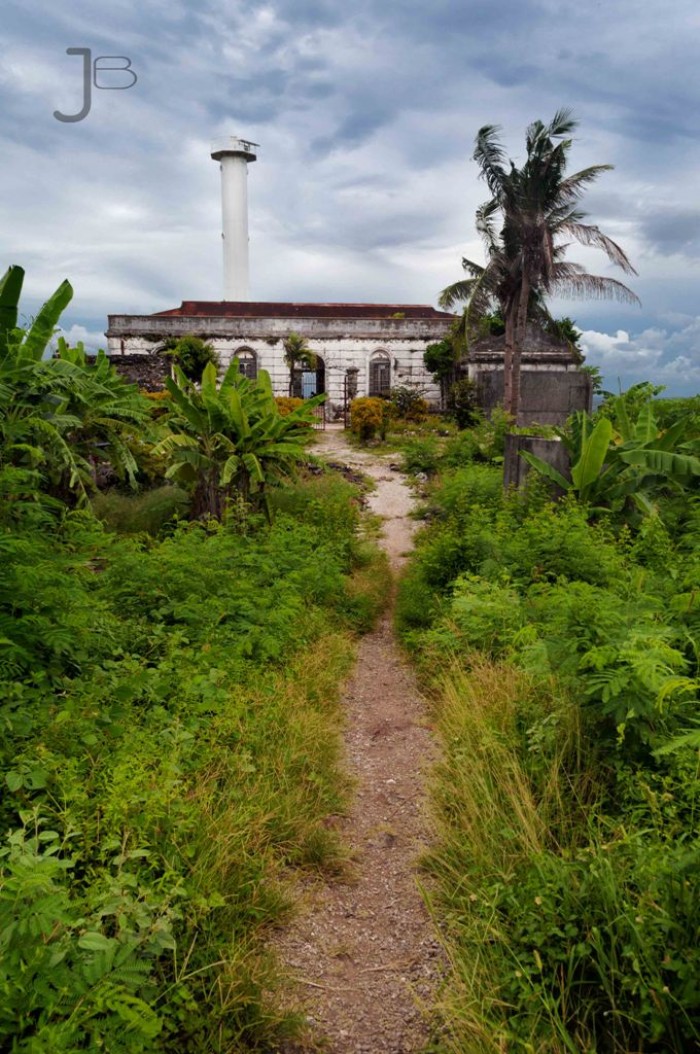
x=617, y=460
x=59, y=415
x=32, y=343
x=230, y=438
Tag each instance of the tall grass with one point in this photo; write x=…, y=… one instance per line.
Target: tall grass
x=492, y=818
x=561, y=655
x=147, y=512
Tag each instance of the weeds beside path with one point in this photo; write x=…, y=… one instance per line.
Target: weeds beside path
x=363, y=952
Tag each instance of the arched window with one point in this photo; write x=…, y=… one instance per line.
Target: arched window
x=247, y=363
x=379, y=374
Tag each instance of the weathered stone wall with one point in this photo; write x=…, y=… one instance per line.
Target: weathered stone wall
x=516, y=468
x=552, y=385
x=153, y=328
x=148, y=371
x=341, y=344
x=548, y=397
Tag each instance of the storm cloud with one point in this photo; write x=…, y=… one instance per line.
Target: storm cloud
x=366, y=115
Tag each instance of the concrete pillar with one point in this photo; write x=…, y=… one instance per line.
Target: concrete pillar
x=234, y=155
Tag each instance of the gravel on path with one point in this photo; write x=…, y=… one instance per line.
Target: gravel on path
x=363, y=953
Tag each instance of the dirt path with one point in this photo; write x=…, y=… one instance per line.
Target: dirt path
x=364, y=952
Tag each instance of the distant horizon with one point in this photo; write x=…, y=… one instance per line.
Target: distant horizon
x=94, y=339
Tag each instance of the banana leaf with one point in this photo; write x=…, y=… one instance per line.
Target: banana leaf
x=622, y=418
x=254, y=468
x=229, y=469
x=264, y=383
x=645, y=430
x=662, y=462
x=10, y=290
x=545, y=469
x=680, y=431
x=237, y=412
x=586, y=471
x=43, y=326
x=183, y=402
x=209, y=378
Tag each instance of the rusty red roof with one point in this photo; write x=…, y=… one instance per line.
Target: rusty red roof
x=268, y=309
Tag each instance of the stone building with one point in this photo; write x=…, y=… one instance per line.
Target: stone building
x=361, y=349
x=552, y=384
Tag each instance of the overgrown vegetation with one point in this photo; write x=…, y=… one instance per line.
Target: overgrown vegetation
x=190, y=353
x=167, y=693
x=559, y=642
x=229, y=437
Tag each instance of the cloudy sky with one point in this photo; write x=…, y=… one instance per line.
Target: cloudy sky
x=364, y=188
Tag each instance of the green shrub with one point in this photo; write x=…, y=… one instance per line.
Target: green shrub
x=421, y=455
x=463, y=489
x=191, y=354
x=668, y=411
x=481, y=616
x=170, y=749
x=149, y=511
x=462, y=403
x=567, y=929
x=408, y=404
x=563, y=657
x=557, y=541
x=483, y=441
x=416, y=603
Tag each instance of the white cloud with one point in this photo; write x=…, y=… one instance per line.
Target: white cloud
x=657, y=355
x=93, y=340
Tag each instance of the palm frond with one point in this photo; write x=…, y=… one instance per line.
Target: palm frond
x=457, y=293
x=574, y=185
x=589, y=234
x=485, y=216
x=581, y=285
x=563, y=123
x=490, y=157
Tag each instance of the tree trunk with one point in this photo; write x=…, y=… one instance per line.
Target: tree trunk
x=207, y=499
x=520, y=333
x=508, y=358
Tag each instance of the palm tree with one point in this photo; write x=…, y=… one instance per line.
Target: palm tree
x=537, y=205
x=298, y=354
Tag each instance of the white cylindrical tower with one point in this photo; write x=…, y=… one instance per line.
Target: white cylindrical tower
x=234, y=155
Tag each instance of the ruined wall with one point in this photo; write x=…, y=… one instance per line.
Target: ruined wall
x=548, y=397
x=516, y=468
x=340, y=343
x=148, y=371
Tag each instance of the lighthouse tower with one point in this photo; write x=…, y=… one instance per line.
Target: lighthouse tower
x=234, y=154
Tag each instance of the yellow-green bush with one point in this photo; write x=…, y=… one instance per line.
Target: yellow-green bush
x=286, y=404
x=566, y=797
x=367, y=417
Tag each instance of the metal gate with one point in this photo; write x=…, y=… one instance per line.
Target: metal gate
x=349, y=392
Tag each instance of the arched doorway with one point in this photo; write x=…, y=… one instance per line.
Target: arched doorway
x=306, y=383
x=379, y=374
